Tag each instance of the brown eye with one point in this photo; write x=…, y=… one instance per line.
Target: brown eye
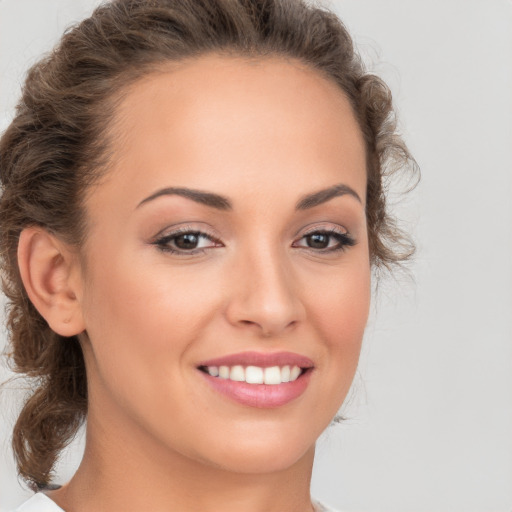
x=325, y=241
x=187, y=241
x=318, y=240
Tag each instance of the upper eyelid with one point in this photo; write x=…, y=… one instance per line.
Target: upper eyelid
x=180, y=230
x=188, y=228
x=331, y=229
x=322, y=226
x=164, y=233
x=176, y=234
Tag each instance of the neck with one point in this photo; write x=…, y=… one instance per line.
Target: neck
x=127, y=470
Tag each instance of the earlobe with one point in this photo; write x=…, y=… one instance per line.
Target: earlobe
x=48, y=271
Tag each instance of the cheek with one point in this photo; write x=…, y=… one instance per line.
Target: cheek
x=140, y=325
x=345, y=299
x=341, y=313
x=143, y=305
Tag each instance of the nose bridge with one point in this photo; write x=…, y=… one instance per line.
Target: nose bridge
x=265, y=293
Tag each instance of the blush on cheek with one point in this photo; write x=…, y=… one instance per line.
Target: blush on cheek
x=349, y=302
x=343, y=317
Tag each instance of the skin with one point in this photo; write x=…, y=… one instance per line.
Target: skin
x=262, y=133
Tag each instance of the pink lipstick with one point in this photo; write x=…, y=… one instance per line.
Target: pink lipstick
x=257, y=379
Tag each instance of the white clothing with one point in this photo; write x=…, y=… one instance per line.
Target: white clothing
x=41, y=503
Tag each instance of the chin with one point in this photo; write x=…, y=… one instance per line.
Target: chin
x=250, y=454
x=264, y=462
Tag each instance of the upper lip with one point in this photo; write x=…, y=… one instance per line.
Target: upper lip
x=261, y=359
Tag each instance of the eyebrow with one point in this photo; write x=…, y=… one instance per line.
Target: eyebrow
x=223, y=203
x=207, y=198
x=326, y=194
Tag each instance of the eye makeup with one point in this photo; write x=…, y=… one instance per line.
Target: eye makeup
x=189, y=241
x=319, y=237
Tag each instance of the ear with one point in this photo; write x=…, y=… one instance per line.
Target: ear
x=51, y=275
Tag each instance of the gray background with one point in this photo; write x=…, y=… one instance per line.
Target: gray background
x=430, y=416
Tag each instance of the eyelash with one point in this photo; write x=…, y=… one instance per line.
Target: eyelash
x=344, y=240
x=162, y=243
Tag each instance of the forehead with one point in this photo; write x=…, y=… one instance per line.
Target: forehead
x=214, y=115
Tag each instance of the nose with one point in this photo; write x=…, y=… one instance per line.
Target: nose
x=265, y=296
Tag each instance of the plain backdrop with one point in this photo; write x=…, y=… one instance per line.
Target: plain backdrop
x=429, y=425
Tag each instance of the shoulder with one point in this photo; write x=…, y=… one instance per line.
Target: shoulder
x=39, y=503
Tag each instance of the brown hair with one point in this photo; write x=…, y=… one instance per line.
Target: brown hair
x=58, y=143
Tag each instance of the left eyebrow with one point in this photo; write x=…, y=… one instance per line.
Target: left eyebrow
x=206, y=198
x=326, y=194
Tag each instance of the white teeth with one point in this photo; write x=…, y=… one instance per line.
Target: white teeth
x=272, y=375
x=294, y=373
x=237, y=373
x=256, y=375
x=213, y=371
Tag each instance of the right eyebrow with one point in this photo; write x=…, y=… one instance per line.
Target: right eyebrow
x=322, y=196
x=207, y=198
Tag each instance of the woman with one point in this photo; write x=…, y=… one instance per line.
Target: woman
x=193, y=202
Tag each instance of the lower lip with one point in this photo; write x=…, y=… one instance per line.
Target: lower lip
x=264, y=396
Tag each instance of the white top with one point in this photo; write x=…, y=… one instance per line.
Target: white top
x=41, y=503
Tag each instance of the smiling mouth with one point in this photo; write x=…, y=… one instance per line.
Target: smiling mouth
x=272, y=375
x=256, y=379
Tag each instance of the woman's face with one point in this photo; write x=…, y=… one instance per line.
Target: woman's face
x=229, y=237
